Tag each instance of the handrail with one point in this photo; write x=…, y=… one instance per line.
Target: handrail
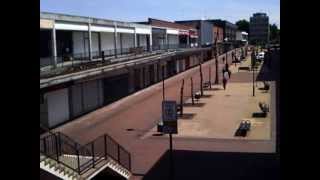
x=57, y=144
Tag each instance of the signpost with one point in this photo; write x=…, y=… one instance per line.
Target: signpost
x=253, y=64
x=169, y=117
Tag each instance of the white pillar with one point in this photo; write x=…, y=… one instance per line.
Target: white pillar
x=135, y=38
x=90, y=41
x=115, y=40
x=150, y=41
x=54, y=45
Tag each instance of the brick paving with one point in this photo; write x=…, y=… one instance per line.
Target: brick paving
x=141, y=111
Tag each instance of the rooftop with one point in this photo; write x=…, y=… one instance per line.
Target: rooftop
x=85, y=19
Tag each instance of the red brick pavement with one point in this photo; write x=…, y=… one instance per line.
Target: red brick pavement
x=141, y=111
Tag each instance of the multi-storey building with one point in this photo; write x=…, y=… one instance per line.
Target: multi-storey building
x=204, y=29
x=259, y=28
x=229, y=29
x=165, y=33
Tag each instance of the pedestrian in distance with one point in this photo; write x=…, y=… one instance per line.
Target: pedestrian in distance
x=225, y=79
x=228, y=70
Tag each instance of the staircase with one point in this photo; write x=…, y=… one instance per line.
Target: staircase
x=63, y=157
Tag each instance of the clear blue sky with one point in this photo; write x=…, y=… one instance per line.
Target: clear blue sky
x=140, y=10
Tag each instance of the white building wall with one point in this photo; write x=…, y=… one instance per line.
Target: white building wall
x=143, y=40
x=78, y=42
x=238, y=36
x=173, y=39
x=127, y=40
x=94, y=42
x=58, y=107
x=107, y=41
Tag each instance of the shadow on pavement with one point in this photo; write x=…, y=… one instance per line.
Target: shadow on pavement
x=207, y=96
x=186, y=116
x=196, y=104
x=217, y=165
x=259, y=115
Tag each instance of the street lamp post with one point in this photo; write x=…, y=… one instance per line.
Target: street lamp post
x=253, y=62
x=216, y=57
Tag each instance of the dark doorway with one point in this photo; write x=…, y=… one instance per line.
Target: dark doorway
x=151, y=74
x=64, y=43
x=187, y=62
x=144, y=77
x=183, y=40
x=115, y=88
x=137, y=79
x=171, y=68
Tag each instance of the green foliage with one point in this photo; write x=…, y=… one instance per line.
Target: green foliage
x=274, y=33
x=243, y=25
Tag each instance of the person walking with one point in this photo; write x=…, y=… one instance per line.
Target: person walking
x=225, y=78
x=228, y=70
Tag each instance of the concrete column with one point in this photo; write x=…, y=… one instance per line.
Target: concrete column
x=135, y=38
x=115, y=40
x=177, y=65
x=54, y=45
x=131, y=80
x=183, y=64
x=90, y=41
x=166, y=41
x=150, y=42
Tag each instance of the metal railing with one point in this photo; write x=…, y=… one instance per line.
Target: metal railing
x=78, y=59
x=82, y=158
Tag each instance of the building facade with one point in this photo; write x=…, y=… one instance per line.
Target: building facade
x=204, y=29
x=172, y=35
x=259, y=30
x=242, y=37
x=66, y=38
x=79, y=80
x=229, y=29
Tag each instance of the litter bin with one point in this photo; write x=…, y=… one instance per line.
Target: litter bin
x=160, y=126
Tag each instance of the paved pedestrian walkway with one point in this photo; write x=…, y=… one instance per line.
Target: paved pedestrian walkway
x=142, y=110
x=219, y=113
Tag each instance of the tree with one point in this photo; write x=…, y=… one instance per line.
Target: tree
x=274, y=33
x=243, y=25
